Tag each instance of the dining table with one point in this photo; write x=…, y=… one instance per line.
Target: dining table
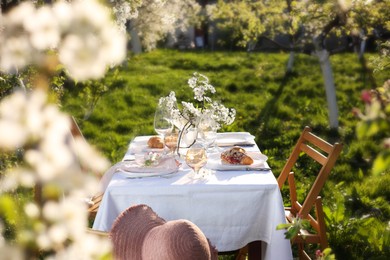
x=233, y=206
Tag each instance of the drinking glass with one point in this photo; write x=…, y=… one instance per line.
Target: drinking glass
x=208, y=133
x=162, y=121
x=171, y=140
x=196, y=158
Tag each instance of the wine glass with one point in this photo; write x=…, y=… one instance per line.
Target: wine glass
x=208, y=133
x=170, y=141
x=196, y=158
x=162, y=120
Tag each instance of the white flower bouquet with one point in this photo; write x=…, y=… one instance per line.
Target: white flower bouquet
x=191, y=113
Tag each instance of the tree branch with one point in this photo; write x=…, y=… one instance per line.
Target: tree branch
x=288, y=48
x=337, y=21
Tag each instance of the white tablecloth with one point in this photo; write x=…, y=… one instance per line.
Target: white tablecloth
x=232, y=208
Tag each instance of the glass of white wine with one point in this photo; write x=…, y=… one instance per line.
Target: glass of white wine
x=196, y=158
x=170, y=141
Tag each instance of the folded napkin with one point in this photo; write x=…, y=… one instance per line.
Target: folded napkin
x=234, y=138
x=133, y=169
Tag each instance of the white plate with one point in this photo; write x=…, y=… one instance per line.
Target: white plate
x=231, y=138
x=214, y=162
x=134, y=170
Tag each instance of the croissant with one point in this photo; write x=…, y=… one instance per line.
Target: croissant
x=155, y=142
x=236, y=155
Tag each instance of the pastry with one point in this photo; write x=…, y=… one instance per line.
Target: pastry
x=155, y=142
x=236, y=155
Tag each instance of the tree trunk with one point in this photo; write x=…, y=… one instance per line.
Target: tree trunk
x=362, y=48
x=135, y=41
x=327, y=73
x=290, y=62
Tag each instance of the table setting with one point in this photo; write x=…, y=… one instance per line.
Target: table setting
x=190, y=170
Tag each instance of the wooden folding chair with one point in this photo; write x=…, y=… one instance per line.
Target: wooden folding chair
x=94, y=202
x=326, y=155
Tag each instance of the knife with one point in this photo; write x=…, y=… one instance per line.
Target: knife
x=235, y=144
x=263, y=169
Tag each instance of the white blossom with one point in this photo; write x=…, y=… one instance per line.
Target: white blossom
x=205, y=106
x=55, y=225
x=44, y=241
x=58, y=233
x=43, y=29
x=92, y=41
x=157, y=19
x=90, y=157
x=31, y=210
x=82, y=32
x=12, y=135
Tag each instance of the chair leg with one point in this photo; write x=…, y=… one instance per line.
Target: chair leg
x=321, y=223
x=242, y=253
x=301, y=251
x=305, y=256
x=254, y=250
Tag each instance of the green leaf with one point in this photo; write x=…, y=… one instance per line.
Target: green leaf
x=292, y=232
x=282, y=226
x=361, y=130
x=381, y=163
x=8, y=208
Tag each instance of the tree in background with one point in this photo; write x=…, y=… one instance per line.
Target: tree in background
x=308, y=24
x=155, y=20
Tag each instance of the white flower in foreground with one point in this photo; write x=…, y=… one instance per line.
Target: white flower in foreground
x=15, y=48
x=32, y=210
x=43, y=28
x=82, y=32
x=15, y=53
x=92, y=41
x=90, y=157
x=63, y=12
x=27, y=120
x=10, y=251
x=82, y=57
x=13, y=133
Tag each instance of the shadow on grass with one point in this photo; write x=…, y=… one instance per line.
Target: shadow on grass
x=271, y=106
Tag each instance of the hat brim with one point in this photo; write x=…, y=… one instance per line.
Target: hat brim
x=129, y=230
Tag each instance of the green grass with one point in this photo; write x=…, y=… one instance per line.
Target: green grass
x=272, y=106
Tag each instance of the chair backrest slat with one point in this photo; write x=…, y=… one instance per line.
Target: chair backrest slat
x=320, y=143
x=319, y=157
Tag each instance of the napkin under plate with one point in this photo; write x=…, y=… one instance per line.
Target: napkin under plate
x=214, y=162
x=132, y=169
x=234, y=138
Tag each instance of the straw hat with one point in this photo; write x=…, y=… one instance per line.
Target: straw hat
x=139, y=233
